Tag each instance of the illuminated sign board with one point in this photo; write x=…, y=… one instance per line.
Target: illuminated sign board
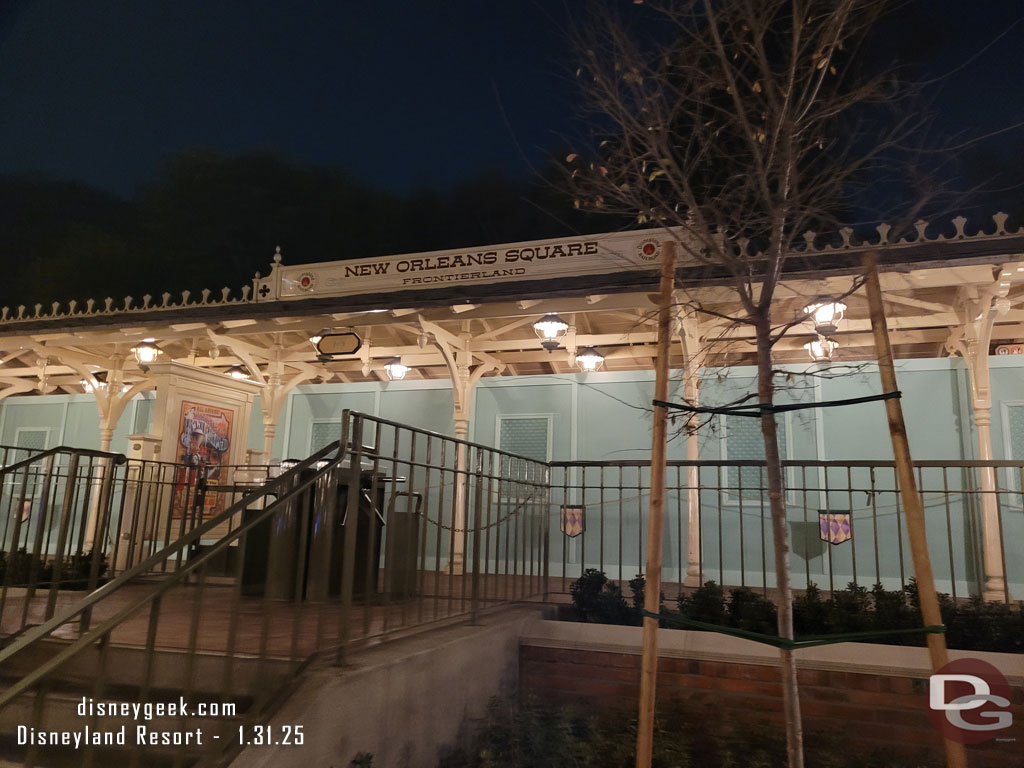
x=564, y=258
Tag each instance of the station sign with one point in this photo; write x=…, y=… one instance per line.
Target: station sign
x=556, y=259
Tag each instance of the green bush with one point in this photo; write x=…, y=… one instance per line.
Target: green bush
x=537, y=735
x=600, y=601
x=753, y=612
x=972, y=625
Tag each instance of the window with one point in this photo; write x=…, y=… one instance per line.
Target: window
x=32, y=439
x=322, y=434
x=1014, y=420
x=526, y=435
x=743, y=441
x=143, y=416
x=1013, y=438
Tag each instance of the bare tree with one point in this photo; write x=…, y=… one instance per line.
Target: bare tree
x=736, y=126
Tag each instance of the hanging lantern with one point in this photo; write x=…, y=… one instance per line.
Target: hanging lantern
x=549, y=330
x=238, y=372
x=146, y=352
x=395, y=370
x=589, y=359
x=826, y=316
x=821, y=349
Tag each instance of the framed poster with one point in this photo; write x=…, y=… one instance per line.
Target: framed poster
x=202, y=447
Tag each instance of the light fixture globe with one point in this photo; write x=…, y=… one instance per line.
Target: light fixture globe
x=317, y=337
x=826, y=316
x=821, y=349
x=100, y=377
x=549, y=330
x=238, y=372
x=589, y=359
x=146, y=352
x=395, y=370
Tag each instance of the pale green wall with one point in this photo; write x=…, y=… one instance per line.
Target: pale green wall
x=605, y=416
x=70, y=420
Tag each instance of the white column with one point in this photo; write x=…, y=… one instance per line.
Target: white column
x=979, y=311
x=272, y=399
x=464, y=376
x=456, y=564
x=692, y=490
x=110, y=402
x=994, y=587
x=689, y=336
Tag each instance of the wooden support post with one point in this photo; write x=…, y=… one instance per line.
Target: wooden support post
x=955, y=755
x=652, y=586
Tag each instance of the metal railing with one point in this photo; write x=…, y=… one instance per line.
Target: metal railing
x=718, y=523
x=10, y=454
x=393, y=529
x=73, y=518
x=390, y=529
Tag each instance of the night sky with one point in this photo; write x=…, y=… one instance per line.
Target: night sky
x=401, y=94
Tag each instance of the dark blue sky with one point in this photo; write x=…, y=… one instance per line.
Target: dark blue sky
x=401, y=94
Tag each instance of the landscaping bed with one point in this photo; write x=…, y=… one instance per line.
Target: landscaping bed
x=972, y=624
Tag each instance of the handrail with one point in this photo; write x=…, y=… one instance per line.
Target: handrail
x=41, y=630
x=856, y=463
x=288, y=480
x=428, y=433
x=116, y=458
x=308, y=501
x=57, y=660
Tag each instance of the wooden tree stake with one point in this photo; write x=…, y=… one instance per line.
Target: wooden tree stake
x=955, y=755
x=652, y=586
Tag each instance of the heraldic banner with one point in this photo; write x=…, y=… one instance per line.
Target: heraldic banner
x=836, y=527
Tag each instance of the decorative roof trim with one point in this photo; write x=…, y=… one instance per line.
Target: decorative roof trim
x=249, y=296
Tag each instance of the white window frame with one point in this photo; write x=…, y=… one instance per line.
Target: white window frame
x=1012, y=479
x=36, y=486
x=314, y=422
x=723, y=426
x=549, y=417
x=19, y=430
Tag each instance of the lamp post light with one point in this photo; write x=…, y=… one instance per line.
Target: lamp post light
x=821, y=349
x=395, y=370
x=589, y=359
x=549, y=330
x=826, y=316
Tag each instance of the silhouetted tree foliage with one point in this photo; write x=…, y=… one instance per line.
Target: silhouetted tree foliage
x=212, y=220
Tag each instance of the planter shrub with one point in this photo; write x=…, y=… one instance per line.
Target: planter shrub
x=531, y=733
x=972, y=625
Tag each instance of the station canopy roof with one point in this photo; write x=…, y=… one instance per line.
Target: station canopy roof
x=477, y=305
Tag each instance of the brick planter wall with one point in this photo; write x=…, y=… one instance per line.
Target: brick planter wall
x=866, y=691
